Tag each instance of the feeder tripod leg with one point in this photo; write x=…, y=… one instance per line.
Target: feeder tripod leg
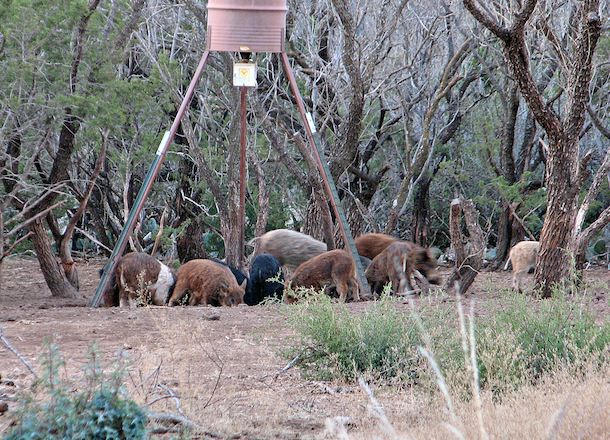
x=327, y=180
x=242, y=177
x=153, y=171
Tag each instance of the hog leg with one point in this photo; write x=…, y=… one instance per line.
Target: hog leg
x=179, y=292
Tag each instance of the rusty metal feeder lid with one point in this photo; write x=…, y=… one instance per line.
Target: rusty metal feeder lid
x=246, y=25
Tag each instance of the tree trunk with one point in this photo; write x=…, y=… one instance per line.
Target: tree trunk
x=262, y=215
x=190, y=244
x=230, y=227
x=318, y=220
x=510, y=233
x=421, y=210
x=468, y=260
x=553, y=265
x=504, y=237
x=53, y=273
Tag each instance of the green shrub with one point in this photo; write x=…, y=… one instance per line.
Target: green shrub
x=529, y=338
x=337, y=344
x=100, y=411
x=521, y=342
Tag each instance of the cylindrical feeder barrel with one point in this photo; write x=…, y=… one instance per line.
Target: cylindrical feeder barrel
x=246, y=25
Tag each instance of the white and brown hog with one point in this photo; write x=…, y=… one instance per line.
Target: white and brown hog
x=208, y=283
x=139, y=277
x=372, y=244
x=291, y=248
x=401, y=259
x=334, y=267
x=523, y=258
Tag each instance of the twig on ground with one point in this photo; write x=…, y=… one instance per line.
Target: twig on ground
x=173, y=419
x=172, y=394
x=23, y=360
x=286, y=367
x=290, y=364
x=219, y=364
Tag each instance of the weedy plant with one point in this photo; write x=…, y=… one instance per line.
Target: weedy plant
x=528, y=339
x=379, y=343
x=520, y=343
x=53, y=410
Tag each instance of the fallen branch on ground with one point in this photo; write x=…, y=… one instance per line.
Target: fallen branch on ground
x=173, y=420
x=8, y=345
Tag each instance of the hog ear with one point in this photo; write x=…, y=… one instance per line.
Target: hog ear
x=243, y=284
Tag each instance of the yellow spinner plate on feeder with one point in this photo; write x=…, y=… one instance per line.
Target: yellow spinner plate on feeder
x=244, y=75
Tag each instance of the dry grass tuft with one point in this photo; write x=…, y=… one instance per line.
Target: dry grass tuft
x=558, y=408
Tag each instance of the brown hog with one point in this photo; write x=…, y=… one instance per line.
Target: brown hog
x=208, y=283
x=139, y=276
x=334, y=267
x=372, y=244
x=523, y=257
x=401, y=256
x=291, y=248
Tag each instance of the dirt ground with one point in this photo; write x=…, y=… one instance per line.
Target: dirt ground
x=224, y=372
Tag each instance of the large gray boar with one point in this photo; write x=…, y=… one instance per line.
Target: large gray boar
x=523, y=257
x=291, y=248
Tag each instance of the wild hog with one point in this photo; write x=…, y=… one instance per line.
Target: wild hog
x=366, y=262
x=264, y=267
x=139, y=275
x=333, y=267
x=238, y=274
x=372, y=244
x=523, y=257
x=401, y=256
x=208, y=283
x=291, y=248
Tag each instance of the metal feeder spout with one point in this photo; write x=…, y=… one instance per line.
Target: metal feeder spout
x=246, y=25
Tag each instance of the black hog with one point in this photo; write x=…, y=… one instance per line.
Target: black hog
x=264, y=266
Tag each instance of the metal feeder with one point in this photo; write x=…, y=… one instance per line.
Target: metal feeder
x=246, y=25
x=240, y=26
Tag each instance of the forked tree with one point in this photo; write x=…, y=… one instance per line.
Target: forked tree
x=566, y=173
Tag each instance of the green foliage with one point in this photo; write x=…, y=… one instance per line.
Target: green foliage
x=527, y=339
x=524, y=341
x=340, y=345
x=100, y=411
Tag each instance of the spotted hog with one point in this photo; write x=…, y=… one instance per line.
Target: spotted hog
x=334, y=267
x=138, y=276
x=291, y=248
x=398, y=258
x=208, y=283
x=523, y=258
x=372, y=244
